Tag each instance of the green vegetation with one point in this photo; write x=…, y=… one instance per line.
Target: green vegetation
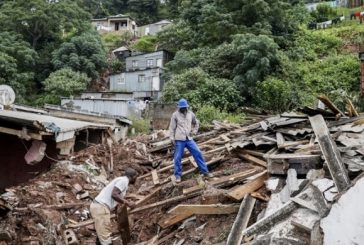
x=140, y=126
x=227, y=54
x=207, y=114
x=264, y=54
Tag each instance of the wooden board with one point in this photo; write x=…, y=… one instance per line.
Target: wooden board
x=241, y=221
x=192, y=161
x=280, y=139
x=253, y=185
x=173, y=219
x=254, y=160
x=123, y=224
x=155, y=177
x=223, y=180
x=330, y=105
x=205, y=209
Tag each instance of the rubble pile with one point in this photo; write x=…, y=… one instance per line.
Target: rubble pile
x=277, y=180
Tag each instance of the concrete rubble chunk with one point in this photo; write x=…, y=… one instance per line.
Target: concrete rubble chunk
x=314, y=174
x=305, y=219
x=345, y=221
x=274, y=184
x=292, y=181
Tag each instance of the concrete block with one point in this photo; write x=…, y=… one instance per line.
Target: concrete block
x=76, y=188
x=70, y=237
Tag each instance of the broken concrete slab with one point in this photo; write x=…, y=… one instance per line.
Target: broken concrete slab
x=330, y=152
x=345, y=221
x=304, y=219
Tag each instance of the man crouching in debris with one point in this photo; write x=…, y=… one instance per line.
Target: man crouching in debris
x=112, y=194
x=182, y=127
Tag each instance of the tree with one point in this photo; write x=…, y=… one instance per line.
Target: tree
x=17, y=61
x=66, y=82
x=40, y=22
x=144, y=11
x=83, y=53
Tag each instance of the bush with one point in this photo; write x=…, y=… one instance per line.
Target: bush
x=276, y=95
x=145, y=44
x=207, y=114
x=201, y=89
x=115, y=40
x=140, y=125
x=116, y=66
x=324, y=12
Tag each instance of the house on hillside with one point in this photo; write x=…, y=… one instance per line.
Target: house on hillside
x=122, y=53
x=153, y=29
x=142, y=76
x=116, y=23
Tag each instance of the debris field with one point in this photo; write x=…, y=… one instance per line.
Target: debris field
x=277, y=180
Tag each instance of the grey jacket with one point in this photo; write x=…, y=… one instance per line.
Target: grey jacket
x=182, y=126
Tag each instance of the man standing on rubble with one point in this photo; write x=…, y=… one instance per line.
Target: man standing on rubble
x=107, y=200
x=182, y=127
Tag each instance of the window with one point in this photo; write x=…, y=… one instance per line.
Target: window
x=150, y=63
x=159, y=63
x=134, y=63
x=141, y=78
x=121, y=79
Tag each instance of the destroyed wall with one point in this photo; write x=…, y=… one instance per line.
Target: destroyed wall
x=14, y=169
x=160, y=114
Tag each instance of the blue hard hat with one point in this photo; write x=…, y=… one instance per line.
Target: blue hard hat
x=182, y=103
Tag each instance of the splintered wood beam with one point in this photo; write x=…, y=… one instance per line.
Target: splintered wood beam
x=292, y=156
x=253, y=159
x=204, y=209
x=192, y=161
x=223, y=181
x=149, y=196
x=241, y=220
x=293, y=143
x=238, y=193
x=164, y=202
x=280, y=139
x=330, y=105
x=352, y=110
x=155, y=177
x=182, y=212
x=331, y=153
x=172, y=219
x=253, y=153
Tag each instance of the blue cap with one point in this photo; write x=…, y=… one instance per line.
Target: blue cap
x=182, y=103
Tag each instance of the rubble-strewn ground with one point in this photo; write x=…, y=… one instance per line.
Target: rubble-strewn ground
x=276, y=159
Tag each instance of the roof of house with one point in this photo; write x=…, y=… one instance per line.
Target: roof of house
x=114, y=17
x=122, y=48
x=163, y=22
x=63, y=129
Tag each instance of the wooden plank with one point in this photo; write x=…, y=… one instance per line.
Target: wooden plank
x=330, y=105
x=253, y=159
x=192, y=161
x=293, y=143
x=253, y=153
x=173, y=219
x=164, y=202
x=166, y=238
x=331, y=153
x=155, y=177
x=123, y=224
x=241, y=221
x=269, y=139
x=23, y=134
x=291, y=156
x=280, y=139
x=260, y=196
x=224, y=137
x=352, y=109
x=205, y=209
x=253, y=185
x=146, y=198
x=223, y=180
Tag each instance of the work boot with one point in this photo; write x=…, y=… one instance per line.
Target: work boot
x=208, y=175
x=178, y=179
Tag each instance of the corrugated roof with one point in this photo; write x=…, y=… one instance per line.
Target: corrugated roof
x=63, y=128
x=122, y=48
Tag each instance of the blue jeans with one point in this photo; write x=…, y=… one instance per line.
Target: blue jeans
x=195, y=152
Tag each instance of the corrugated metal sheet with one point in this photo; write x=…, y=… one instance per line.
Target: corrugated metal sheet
x=125, y=108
